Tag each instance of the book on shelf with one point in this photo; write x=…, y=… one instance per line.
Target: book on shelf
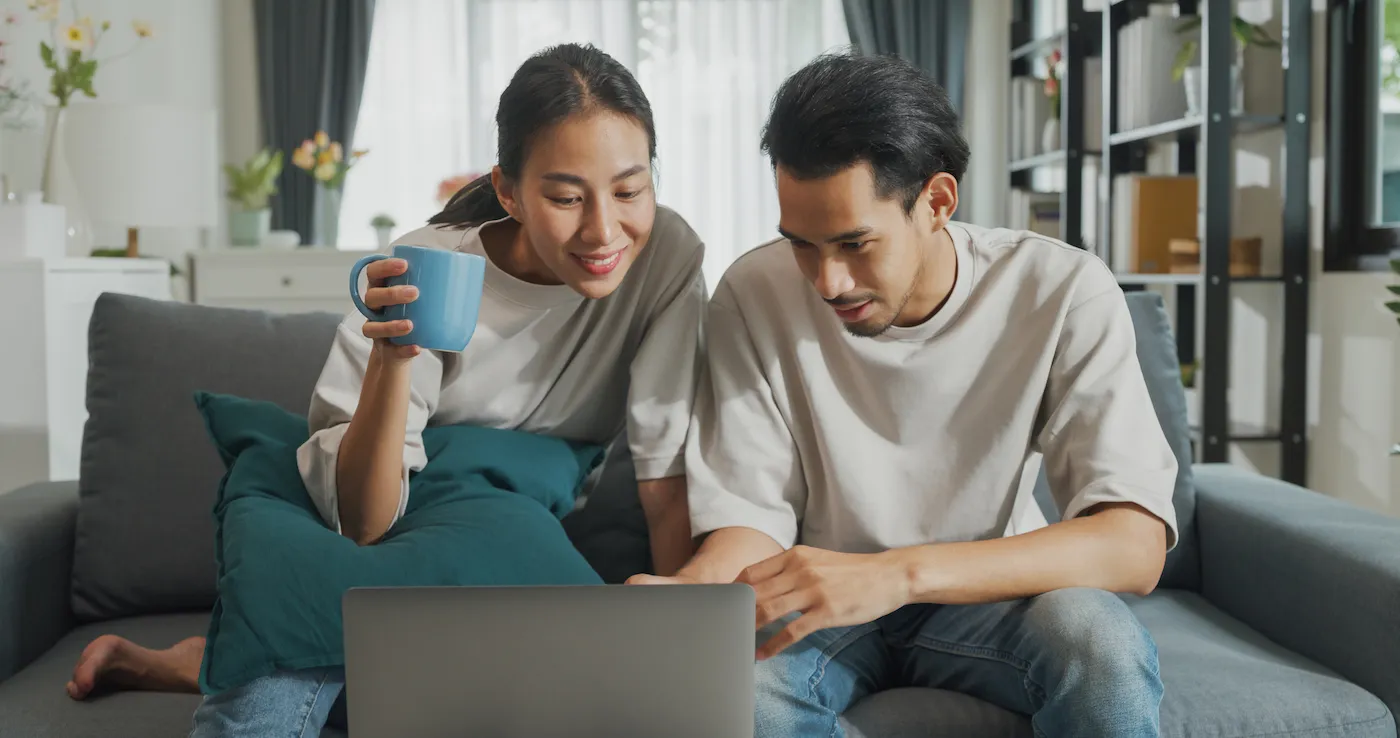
x=1147, y=49
x=1038, y=212
x=1030, y=109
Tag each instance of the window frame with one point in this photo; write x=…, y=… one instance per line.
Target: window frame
x=1352, y=242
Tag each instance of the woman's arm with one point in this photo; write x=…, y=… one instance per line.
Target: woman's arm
x=370, y=466
x=668, y=523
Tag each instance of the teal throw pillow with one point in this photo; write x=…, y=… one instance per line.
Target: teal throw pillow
x=485, y=510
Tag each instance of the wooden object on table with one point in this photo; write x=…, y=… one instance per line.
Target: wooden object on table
x=1246, y=256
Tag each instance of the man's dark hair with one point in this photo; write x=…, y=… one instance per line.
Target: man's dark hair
x=843, y=109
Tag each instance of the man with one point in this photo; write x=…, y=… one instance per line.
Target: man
x=877, y=379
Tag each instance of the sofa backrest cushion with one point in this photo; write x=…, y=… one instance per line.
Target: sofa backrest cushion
x=149, y=474
x=1156, y=352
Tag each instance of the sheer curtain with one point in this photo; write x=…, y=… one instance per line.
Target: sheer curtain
x=710, y=68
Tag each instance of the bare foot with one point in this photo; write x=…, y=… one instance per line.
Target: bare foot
x=114, y=662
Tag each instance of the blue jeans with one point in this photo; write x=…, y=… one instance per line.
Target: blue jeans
x=287, y=704
x=1076, y=661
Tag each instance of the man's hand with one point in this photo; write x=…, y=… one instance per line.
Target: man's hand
x=829, y=589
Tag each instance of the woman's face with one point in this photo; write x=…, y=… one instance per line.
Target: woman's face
x=584, y=199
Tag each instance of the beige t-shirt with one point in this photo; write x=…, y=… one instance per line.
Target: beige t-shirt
x=814, y=436
x=543, y=359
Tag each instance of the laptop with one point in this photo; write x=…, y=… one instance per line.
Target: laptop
x=550, y=661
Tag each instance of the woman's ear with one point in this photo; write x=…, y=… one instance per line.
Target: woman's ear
x=505, y=192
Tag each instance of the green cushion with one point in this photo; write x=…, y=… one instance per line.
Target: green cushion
x=485, y=510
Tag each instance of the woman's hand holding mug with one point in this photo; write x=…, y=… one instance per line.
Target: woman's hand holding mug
x=419, y=298
x=378, y=296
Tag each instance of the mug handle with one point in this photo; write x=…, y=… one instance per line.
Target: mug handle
x=355, y=285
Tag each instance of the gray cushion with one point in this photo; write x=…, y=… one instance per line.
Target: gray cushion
x=1156, y=352
x=1223, y=679
x=1220, y=679
x=34, y=705
x=145, y=536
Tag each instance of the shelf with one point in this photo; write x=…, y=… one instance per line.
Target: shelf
x=1244, y=433
x=1192, y=126
x=1054, y=157
x=1040, y=44
x=1128, y=278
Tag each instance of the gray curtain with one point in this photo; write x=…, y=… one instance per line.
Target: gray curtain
x=930, y=33
x=311, y=74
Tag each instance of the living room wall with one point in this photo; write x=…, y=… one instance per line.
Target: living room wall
x=1354, y=377
x=178, y=65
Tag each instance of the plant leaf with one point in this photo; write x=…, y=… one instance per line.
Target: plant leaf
x=1394, y=289
x=1183, y=59
x=1394, y=306
x=1395, y=265
x=46, y=53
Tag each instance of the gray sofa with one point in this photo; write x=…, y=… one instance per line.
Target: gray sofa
x=1279, y=613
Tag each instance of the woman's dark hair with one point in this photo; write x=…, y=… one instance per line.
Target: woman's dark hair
x=552, y=85
x=846, y=108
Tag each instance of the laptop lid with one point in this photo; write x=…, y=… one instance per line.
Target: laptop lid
x=528, y=662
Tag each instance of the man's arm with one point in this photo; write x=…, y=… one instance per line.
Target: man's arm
x=668, y=523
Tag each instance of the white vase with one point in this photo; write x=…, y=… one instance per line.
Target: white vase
x=59, y=186
x=385, y=236
x=1195, y=102
x=1050, y=136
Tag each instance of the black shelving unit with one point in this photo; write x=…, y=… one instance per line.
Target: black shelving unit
x=1209, y=135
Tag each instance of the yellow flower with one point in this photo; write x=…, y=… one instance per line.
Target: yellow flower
x=76, y=37
x=142, y=29
x=337, y=152
x=326, y=172
x=322, y=140
x=303, y=159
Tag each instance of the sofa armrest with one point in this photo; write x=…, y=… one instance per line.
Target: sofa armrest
x=36, y=570
x=1317, y=575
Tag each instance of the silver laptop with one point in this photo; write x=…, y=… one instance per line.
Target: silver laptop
x=550, y=662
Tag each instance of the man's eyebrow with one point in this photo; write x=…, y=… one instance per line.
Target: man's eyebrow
x=838, y=238
x=574, y=179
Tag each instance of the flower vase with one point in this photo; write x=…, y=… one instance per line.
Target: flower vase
x=327, y=223
x=1050, y=136
x=59, y=186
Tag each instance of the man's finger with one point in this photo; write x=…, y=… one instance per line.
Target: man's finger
x=764, y=570
x=771, y=609
x=789, y=636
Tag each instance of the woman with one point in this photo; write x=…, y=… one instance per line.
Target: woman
x=589, y=326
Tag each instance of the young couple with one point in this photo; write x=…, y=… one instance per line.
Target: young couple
x=848, y=438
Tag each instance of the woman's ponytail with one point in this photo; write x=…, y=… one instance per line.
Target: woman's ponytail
x=473, y=205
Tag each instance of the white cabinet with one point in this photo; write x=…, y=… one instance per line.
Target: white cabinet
x=44, y=362
x=283, y=281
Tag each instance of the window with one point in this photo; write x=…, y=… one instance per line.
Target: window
x=1363, y=124
x=710, y=69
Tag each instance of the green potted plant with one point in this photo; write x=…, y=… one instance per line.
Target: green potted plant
x=1246, y=34
x=249, y=187
x=383, y=226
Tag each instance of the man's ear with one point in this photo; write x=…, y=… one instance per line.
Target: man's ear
x=940, y=199
x=505, y=191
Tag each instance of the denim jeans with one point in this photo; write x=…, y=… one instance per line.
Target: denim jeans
x=288, y=704
x=1076, y=661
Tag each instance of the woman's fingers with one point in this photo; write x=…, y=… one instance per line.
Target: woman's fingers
x=385, y=268
x=382, y=297
x=387, y=328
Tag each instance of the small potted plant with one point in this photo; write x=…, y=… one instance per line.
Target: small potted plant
x=1246, y=34
x=249, y=187
x=383, y=226
x=328, y=163
x=1050, y=135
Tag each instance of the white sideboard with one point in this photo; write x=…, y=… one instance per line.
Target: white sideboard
x=277, y=280
x=43, y=368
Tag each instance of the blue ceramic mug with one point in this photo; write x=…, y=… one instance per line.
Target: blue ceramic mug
x=449, y=295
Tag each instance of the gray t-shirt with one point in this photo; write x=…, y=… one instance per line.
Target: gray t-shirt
x=543, y=359
x=814, y=436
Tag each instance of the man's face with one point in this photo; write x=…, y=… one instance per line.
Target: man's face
x=864, y=255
